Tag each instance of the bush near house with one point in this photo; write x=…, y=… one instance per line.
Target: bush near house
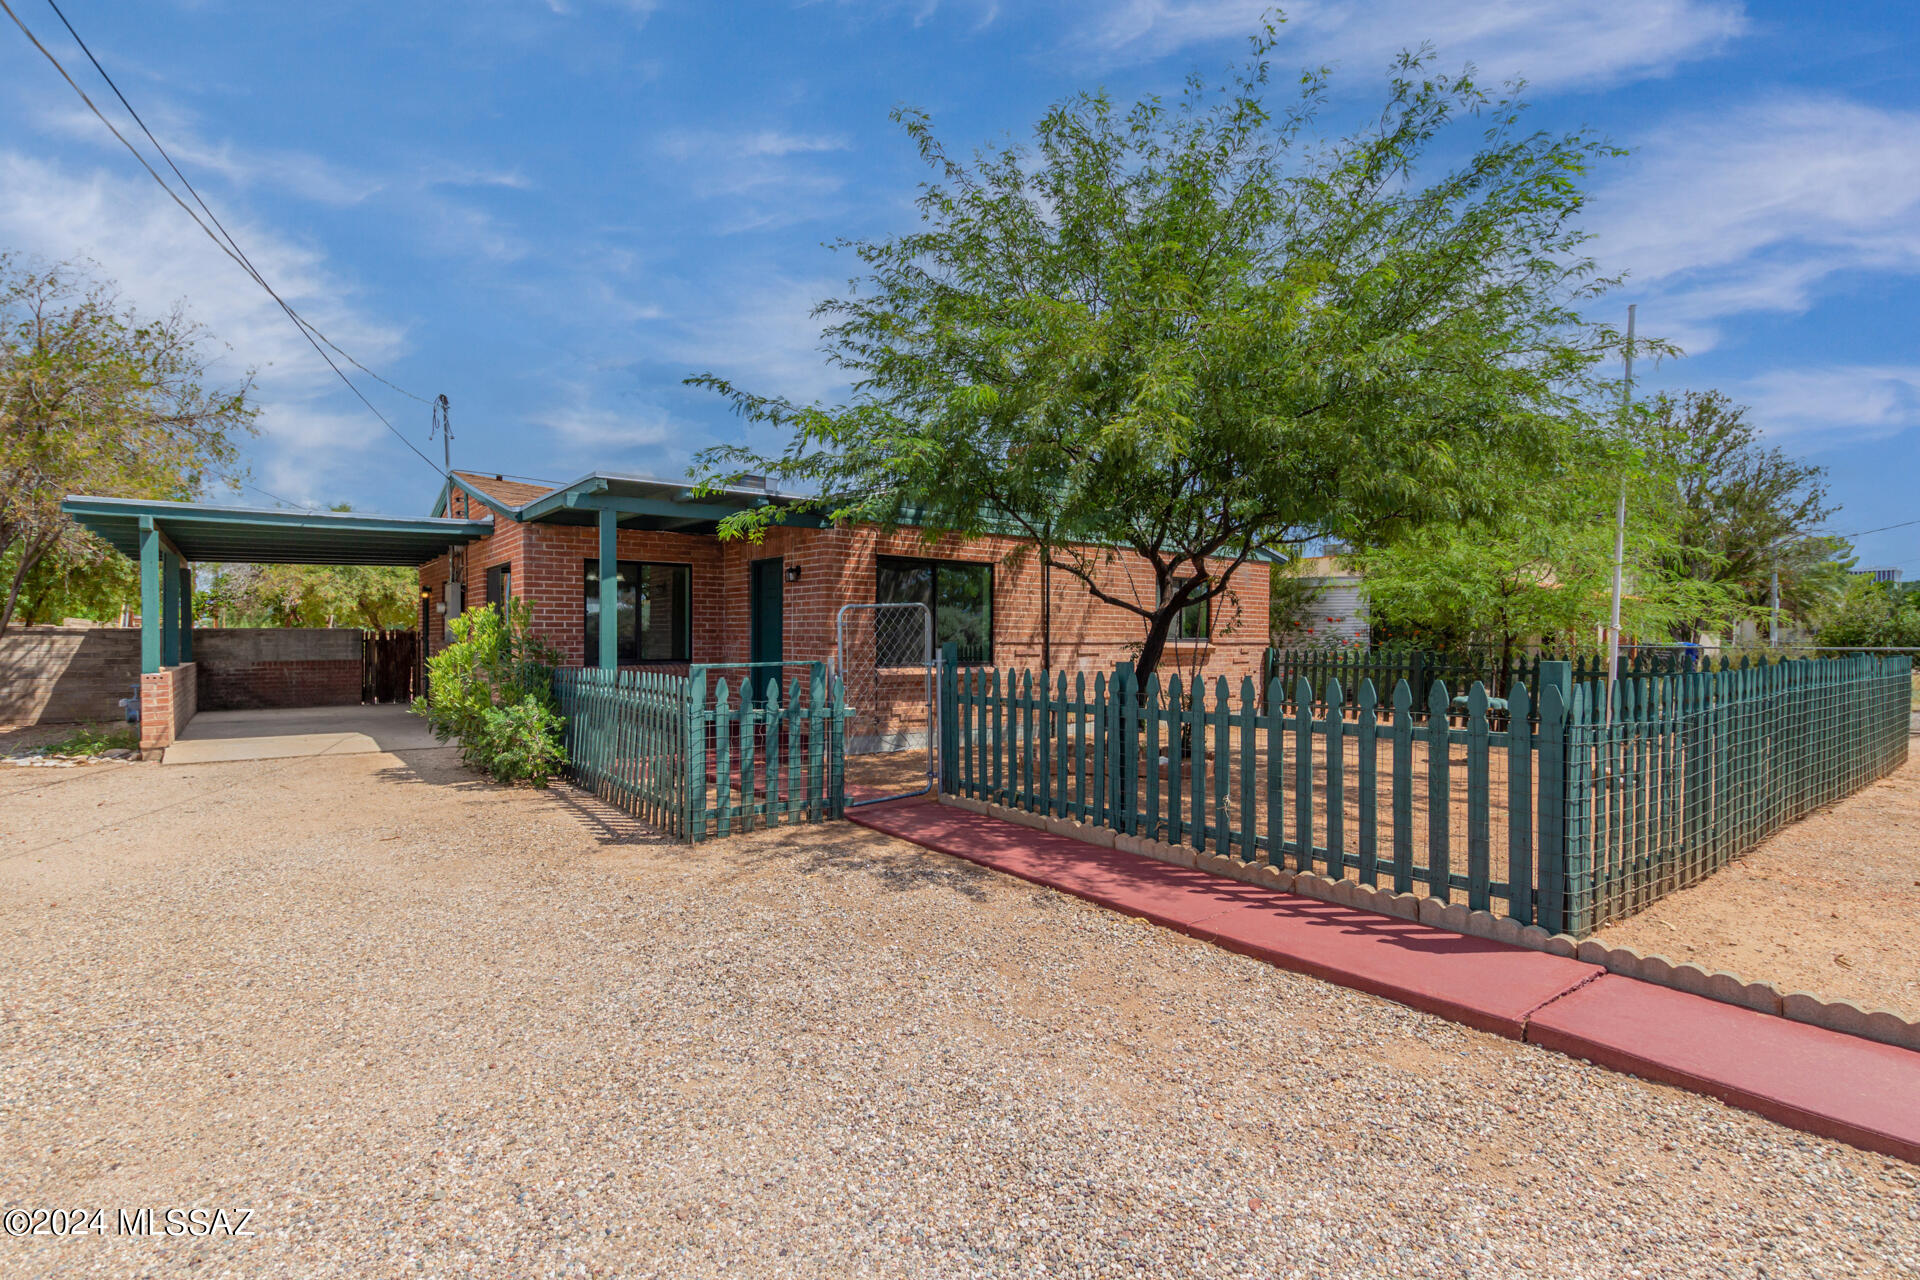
x=492, y=689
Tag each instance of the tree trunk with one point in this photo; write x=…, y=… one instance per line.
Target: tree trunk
x=28, y=558
x=1156, y=644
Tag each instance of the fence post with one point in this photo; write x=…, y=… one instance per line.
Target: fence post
x=1556, y=693
x=693, y=814
x=1123, y=755
x=949, y=713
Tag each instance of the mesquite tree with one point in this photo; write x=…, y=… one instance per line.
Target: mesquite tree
x=1195, y=332
x=95, y=398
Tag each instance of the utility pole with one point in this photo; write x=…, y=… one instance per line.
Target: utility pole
x=1773, y=593
x=1620, y=529
x=443, y=424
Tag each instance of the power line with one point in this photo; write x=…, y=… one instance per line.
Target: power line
x=1864, y=532
x=242, y=258
x=232, y=251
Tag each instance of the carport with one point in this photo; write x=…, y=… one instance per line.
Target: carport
x=167, y=538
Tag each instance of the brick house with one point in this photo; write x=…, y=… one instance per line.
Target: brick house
x=686, y=596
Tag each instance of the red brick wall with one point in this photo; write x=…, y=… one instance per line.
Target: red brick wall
x=167, y=702
x=248, y=668
x=837, y=567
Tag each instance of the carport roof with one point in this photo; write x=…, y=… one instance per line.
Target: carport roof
x=206, y=534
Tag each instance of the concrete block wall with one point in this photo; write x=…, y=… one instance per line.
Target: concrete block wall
x=248, y=668
x=57, y=674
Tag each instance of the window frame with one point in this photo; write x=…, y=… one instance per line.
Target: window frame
x=1179, y=628
x=500, y=575
x=933, y=563
x=590, y=623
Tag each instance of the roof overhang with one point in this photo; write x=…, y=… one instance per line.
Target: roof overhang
x=642, y=502
x=205, y=534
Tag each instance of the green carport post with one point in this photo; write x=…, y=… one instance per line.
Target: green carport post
x=169, y=608
x=609, y=590
x=151, y=617
x=186, y=611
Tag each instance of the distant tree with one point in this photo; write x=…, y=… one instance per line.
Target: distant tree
x=95, y=398
x=1192, y=332
x=1869, y=614
x=1744, y=509
x=1541, y=568
x=82, y=577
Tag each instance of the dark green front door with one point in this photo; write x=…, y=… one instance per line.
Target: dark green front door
x=766, y=623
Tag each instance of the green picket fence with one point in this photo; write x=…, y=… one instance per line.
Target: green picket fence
x=1558, y=812
x=1393, y=795
x=1686, y=772
x=699, y=755
x=1421, y=667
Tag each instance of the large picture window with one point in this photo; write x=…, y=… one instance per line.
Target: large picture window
x=655, y=621
x=959, y=594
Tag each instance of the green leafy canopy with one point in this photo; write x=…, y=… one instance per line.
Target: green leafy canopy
x=1195, y=332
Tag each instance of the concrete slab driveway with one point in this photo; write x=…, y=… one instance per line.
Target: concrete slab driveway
x=279, y=734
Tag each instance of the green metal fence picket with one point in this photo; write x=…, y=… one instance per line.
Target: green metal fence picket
x=1609, y=799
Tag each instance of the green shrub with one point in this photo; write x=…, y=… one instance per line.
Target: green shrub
x=492, y=689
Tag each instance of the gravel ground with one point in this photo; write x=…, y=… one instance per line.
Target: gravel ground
x=1830, y=905
x=425, y=1026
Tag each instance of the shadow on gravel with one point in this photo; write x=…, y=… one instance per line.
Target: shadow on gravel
x=605, y=823
x=841, y=848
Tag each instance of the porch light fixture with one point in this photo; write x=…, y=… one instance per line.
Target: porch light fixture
x=793, y=573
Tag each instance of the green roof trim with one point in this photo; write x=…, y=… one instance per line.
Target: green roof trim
x=208, y=534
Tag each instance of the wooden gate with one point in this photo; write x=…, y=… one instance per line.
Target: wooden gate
x=389, y=666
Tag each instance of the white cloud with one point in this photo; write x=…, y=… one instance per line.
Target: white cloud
x=766, y=340
x=1845, y=403
x=310, y=442
x=1571, y=42
x=586, y=429
x=1757, y=209
x=767, y=177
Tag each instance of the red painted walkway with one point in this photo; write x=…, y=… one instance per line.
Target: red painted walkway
x=1806, y=1077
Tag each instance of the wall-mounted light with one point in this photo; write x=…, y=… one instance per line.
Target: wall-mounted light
x=793, y=573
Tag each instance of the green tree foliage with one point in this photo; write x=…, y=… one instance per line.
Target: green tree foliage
x=374, y=597
x=94, y=398
x=492, y=689
x=1542, y=566
x=1196, y=331
x=1868, y=614
x=1744, y=508
x=81, y=577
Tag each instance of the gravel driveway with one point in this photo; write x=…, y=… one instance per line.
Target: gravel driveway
x=424, y=1026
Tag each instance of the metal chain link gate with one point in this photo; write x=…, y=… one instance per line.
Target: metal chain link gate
x=888, y=670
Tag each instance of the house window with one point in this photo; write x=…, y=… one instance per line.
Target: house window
x=959, y=595
x=655, y=621
x=500, y=586
x=1195, y=621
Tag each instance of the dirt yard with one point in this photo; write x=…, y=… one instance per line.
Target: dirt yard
x=420, y=1025
x=1830, y=905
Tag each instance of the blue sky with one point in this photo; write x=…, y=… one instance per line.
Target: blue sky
x=554, y=210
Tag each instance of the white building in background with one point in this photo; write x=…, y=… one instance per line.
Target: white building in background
x=1878, y=575
x=1336, y=615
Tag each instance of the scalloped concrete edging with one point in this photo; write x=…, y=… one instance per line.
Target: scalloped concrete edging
x=1843, y=1016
